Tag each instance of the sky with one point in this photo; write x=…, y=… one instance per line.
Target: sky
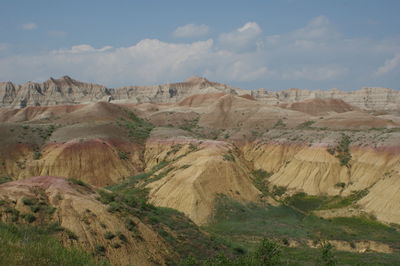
x=271, y=44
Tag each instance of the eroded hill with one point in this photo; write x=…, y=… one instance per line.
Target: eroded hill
x=308, y=159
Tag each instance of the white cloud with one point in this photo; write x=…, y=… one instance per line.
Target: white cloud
x=191, y=31
x=315, y=73
x=243, y=38
x=81, y=49
x=29, y=26
x=388, y=66
x=313, y=55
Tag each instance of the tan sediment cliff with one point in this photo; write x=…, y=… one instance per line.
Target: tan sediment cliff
x=78, y=210
x=313, y=170
x=94, y=161
x=198, y=171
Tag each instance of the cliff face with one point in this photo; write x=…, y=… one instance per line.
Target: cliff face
x=197, y=172
x=365, y=98
x=51, y=92
x=69, y=91
x=170, y=93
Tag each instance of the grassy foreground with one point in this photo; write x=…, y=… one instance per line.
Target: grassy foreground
x=243, y=225
x=27, y=245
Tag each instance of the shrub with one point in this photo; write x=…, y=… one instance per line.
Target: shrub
x=122, y=237
x=122, y=155
x=327, y=256
x=279, y=191
x=71, y=235
x=116, y=245
x=5, y=179
x=268, y=253
x=279, y=124
x=99, y=249
x=29, y=218
x=130, y=225
x=28, y=201
x=340, y=185
x=342, y=149
x=36, y=155
x=306, y=125
x=228, y=157
x=108, y=235
x=77, y=182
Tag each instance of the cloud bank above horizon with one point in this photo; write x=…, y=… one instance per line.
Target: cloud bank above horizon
x=315, y=54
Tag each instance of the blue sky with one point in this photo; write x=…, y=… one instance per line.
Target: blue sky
x=315, y=44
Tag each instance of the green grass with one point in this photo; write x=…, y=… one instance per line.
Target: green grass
x=306, y=125
x=5, y=179
x=138, y=129
x=228, y=157
x=130, y=198
x=308, y=203
x=304, y=256
x=122, y=155
x=34, y=246
x=233, y=219
x=77, y=182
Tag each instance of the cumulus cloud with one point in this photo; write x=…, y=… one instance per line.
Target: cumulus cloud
x=243, y=38
x=81, y=49
x=313, y=55
x=388, y=66
x=315, y=73
x=191, y=31
x=29, y=26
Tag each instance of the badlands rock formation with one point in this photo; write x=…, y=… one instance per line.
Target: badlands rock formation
x=77, y=209
x=187, y=145
x=66, y=90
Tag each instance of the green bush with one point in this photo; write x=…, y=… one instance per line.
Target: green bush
x=122, y=155
x=5, y=179
x=77, y=182
x=343, y=152
x=306, y=125
x=28, y=201
x=279, y=124
x=268, y=253
x=109, y=235
x=36, y=155
x=29, y=218
x=100, y=250
x=327, y=257
x=122, y=237
x=278, y=191
x=228, y=157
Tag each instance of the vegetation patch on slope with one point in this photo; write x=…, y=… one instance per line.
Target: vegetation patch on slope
x=27, y=245
x=138, y=129
x=233, y=219
x=176, y=229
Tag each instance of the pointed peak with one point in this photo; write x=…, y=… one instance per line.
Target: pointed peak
x=66, y=77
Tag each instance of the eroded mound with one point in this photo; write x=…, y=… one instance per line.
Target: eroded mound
x=320, y=106
x=75, y=207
